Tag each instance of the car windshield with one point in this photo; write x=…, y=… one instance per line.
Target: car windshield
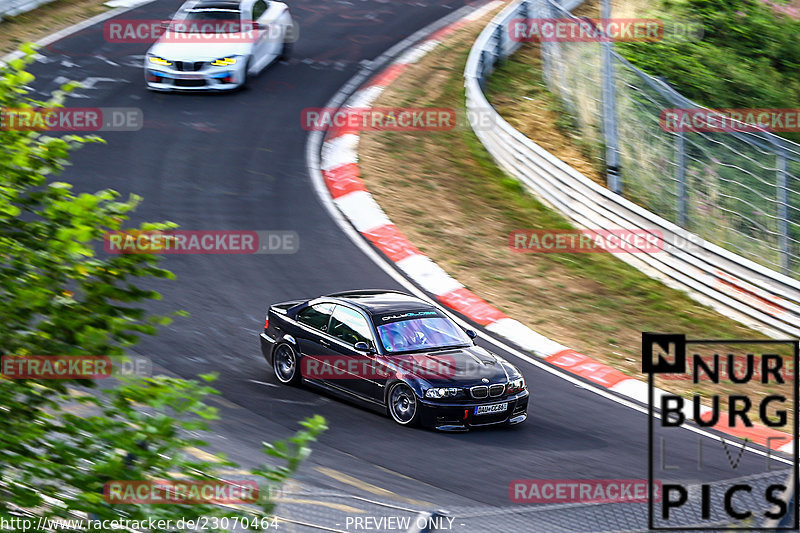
x=417, y=334
x=207, y=20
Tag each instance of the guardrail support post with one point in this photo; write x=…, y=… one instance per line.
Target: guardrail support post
x=680, y=177
x=482, y=66
x=783, y=214
x=610, y=111
x=498, y=44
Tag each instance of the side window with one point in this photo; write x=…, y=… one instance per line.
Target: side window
x=316, y=316
x=349, y=325
x=258, y=9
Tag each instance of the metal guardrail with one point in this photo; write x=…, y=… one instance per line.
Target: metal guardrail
x=10, y=8
x=736, y=286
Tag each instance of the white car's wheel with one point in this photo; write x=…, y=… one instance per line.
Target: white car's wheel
x=245, y=75
x=286, y=51
x=289, y=37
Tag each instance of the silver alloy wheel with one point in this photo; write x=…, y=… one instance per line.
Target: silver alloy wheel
x=284, y=363
x=402, y=404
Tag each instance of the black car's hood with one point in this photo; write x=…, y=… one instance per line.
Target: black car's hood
x=460, y=367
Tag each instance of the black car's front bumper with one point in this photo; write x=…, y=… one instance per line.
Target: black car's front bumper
x=461, y=416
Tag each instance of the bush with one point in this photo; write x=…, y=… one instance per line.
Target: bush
x=748, y=57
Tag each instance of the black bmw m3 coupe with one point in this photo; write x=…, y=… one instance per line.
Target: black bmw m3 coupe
x=397, y=354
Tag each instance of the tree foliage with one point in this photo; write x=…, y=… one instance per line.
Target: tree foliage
x=748, y=55
x=59, y=296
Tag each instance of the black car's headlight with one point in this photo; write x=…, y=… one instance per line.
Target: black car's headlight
x=515, y=385
x=442, y=392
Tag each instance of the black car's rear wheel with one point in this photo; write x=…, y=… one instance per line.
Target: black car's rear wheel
x=285, y=364
x=403, y=405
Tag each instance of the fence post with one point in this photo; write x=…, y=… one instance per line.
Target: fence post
x=680, y=177
x=783, y=213
x=610, y=111
x=546, y=48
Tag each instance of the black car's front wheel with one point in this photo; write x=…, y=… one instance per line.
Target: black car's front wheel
x=403, y=405
x=285, y=364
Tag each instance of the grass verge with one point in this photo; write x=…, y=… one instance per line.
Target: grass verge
x=44, y=20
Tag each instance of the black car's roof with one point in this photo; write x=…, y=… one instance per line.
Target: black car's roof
x=377, y=302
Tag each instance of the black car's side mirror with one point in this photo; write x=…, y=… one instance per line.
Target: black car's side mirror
x=471, y=333
x=362, y=346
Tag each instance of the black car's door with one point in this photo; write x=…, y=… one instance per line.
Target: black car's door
x=312, y=338
x=349, y=326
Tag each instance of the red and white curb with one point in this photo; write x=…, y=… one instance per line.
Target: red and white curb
x=340, y=170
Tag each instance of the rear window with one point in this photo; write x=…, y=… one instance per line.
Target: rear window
x=211, y=13
x=207, y=20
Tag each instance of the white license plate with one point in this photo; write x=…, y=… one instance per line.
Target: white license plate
x=190, y=76
x=486, y=409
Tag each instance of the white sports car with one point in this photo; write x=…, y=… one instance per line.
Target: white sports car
x=218, y=44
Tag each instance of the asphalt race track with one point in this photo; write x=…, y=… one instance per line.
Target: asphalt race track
x=237, y=161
